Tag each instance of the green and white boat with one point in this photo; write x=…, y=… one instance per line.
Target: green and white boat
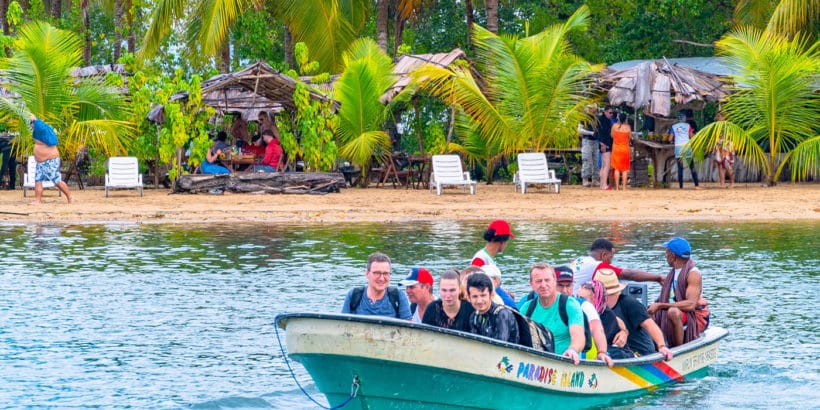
x=396, y=364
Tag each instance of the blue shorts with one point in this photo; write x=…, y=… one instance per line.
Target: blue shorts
x=48, y=171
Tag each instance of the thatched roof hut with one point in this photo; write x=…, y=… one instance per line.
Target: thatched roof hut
x=652, y=85
x=407, y=63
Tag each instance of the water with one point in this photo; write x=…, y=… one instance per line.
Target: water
x=164, y=316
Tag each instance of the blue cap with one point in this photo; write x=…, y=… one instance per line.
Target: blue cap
x=679, y=247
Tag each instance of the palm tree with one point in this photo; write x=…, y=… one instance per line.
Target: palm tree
x=535, y=88
x=776, y=105
x=82, y=111
x=366, y=77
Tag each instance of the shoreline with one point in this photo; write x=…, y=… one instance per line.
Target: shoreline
x=745, y=202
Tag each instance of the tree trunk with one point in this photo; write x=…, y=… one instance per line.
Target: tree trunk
x=492, y=16
x=129, y=17
x=225, y=57
x=381, y=24
x=86, y=32
x=468, y=6
x=398, y=37
x=4, y=23
x=263, y=182
x=289, y=60
x=118, y=28
x=56, y=9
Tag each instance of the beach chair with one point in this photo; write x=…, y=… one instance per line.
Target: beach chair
x=123, y=172
x=447, y=171
x=28, y=177
x=533, y=169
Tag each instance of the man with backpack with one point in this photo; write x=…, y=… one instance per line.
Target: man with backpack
x=490, y=319
x=545, y=309
x=378, y=298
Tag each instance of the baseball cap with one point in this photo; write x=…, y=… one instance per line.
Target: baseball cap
x=492, y=271
x=679, y=247
x=610, y=281
x=416, y=276
x=563, y=273
x=501, y=227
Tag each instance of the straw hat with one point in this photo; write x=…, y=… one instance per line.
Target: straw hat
x=609, y=280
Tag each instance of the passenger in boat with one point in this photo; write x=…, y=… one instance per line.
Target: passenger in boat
x=614, y=328
x=683, y=287
x=497, y=235
x=569, y=337
x=603, y=251
x=449, y=311
x=378, y=298
x=599, y=345
x=501, y=296
x=419, y=287
x=644, y=333
x=489, y=319
x=463, y=278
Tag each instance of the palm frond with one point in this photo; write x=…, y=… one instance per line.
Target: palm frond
x=791, y=17
x=322, y=26
x=804, y=160
x=165, y=15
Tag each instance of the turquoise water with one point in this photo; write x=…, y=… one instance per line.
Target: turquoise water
x=162, y=316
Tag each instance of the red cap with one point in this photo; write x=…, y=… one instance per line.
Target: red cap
x=416, y=276
x=501, y=227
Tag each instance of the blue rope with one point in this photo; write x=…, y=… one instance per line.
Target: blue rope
x=354, y=389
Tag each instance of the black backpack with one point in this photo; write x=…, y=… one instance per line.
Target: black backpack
x=562, y=310
x=530, y=334
x=358, y=292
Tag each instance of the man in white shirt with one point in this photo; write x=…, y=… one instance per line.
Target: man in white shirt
x=680, y=133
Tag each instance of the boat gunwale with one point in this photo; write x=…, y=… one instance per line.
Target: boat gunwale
x=703, y=341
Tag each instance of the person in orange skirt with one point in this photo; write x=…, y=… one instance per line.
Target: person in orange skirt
x=621, y=133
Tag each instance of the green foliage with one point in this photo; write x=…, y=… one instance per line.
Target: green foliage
x=308, y=133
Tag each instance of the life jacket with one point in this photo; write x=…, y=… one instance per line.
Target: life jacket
x=358, y=292
x=530, y=333
x=562, y=310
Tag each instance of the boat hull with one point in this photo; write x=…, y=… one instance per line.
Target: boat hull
x=402, y=365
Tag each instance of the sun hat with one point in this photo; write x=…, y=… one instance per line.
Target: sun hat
x=679, y=247
x=500, y=227
x=492, y=271
x=416, y=276
x=609, y=279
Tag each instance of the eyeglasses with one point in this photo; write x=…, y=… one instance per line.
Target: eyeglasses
x=383, y=274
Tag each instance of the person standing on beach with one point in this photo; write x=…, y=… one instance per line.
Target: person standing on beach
x=589, y=145
x=680, y=133
x=9, y=162
x=604, y=134
x=621, y=133
x=48, y=160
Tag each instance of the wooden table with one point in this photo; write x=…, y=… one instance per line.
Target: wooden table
x=235, y=161
x=659, y=152
x=420, y=167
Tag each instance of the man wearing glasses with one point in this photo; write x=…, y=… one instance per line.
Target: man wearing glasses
x=378, y=298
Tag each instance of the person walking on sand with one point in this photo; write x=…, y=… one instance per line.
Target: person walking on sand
x=48, y=160
x=680, y=133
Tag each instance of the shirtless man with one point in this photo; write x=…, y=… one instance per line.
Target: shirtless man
x=48, y=160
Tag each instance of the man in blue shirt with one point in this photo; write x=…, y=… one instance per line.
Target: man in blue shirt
x=378, y=298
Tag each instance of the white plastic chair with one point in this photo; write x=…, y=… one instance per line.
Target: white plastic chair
x=533, y=169
x=447, y=171
x=123, y=172
x=28, y=177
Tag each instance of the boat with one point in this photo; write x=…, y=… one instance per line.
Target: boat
x=373, y=362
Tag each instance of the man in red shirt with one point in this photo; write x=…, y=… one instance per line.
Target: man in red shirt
x=273, y=154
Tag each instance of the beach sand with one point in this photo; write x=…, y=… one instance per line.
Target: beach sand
x=746, y=202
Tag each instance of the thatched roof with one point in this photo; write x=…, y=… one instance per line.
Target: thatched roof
x=257, y=87
x=653, y=84
x=406, y=64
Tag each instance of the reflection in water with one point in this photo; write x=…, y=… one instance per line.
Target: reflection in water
x=176, y=316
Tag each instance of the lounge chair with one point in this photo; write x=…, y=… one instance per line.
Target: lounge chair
x=533, y=169
x=28, y=177
x=447, y=171
x=123, y=172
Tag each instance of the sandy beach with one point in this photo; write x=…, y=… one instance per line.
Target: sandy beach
x=746, y=202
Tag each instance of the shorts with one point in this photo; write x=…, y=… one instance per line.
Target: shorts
x=48, y=171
